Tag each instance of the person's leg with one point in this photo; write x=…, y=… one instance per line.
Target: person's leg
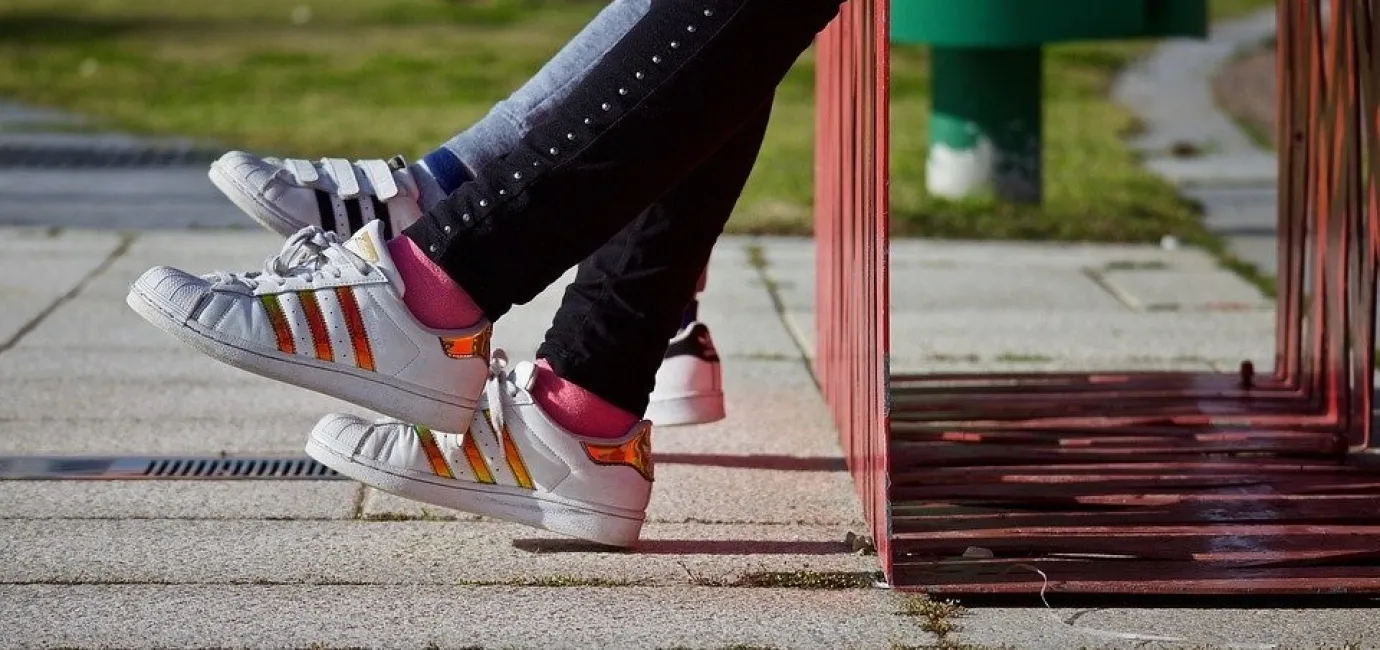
x=684, y=83
x=452, y=163
x=610, y=334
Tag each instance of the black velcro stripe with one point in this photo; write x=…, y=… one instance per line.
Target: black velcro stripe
x=353, y=214
x=326, y=209
x=381, y=213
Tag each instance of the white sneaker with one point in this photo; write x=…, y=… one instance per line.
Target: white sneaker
x=513, y=463
x=689, y=384
x=335, y=194
x=329, y=317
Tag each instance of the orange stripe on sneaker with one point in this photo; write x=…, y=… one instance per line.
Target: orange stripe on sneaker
x=433, y=452
x=281, y=331
x=636, y=453
x=468, y=346
x=511, y=453
x=477, y=464
x=320, y=336
x=354, y=323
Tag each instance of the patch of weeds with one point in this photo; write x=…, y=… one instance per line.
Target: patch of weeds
x=953, y=358
x=813, y=580
x=426, y=515
x=756, y=256
x=1133, y=265
x=938, y=617
x=551, y=581
x=1019, y=357
x=1164, y=306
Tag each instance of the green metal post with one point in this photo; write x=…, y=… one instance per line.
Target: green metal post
x=985, y=126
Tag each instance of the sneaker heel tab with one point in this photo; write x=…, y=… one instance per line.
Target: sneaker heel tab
x=472, y=345
x=635, y=451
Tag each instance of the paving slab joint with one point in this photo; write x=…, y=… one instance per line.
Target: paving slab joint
x=757, y=259
x=125, y=242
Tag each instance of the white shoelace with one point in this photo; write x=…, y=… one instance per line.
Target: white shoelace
x=501, y=389
x=308, y=253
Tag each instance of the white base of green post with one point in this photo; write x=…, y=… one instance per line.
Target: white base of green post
x=985, y=127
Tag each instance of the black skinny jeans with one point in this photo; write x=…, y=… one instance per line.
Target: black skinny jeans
x=680, y=101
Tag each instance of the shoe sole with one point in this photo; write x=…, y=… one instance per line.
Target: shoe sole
x=701, y=408
x=406, y=402
x=247, y=200
x=573, y=518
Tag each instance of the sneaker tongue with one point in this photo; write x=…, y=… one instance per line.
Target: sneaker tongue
x=368, y=243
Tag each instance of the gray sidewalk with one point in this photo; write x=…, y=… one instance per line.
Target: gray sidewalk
x=743, y=510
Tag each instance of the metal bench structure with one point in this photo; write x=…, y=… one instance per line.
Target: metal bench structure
x=1136, y=482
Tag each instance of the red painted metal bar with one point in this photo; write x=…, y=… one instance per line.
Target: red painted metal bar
x=1133, y=482
x=851, y=172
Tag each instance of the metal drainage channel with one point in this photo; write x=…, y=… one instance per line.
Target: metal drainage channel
x=116, y=468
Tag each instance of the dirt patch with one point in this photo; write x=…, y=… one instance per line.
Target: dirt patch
x=1246, y=88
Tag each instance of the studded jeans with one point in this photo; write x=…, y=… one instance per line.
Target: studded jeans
x=683, y=96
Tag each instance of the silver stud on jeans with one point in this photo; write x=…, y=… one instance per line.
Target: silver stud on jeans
x=465, y=217
x=517, y=175
x=503, y=192
x=708, y=13
x=447, y=229
x=623, y=91
x=675, y=44
x=588, y=121
x=483, y=203
x=690, y=28
x=639, y=74
x=553, y=151
x=431, y=248
x=656, y=59
x=605, y=106
x=570, y=136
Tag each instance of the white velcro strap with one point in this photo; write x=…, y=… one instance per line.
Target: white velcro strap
x=303, y=171
x=343, y=173
x=380, y=176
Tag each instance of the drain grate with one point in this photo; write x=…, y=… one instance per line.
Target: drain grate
x=114, y=468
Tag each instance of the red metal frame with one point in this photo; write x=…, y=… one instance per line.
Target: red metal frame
x=851, y=181
x=1123, y=482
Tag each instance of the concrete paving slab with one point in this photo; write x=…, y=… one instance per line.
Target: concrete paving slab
x=906, y=253
x=1076, y=337
x=64, y=261
x=1161, y=629
x=97, y=322
x=95, y=399
x=109, y=500
x=169, y=551
x=168, y=197
x=281, y=434
x=449, y=617
x=705, y=493
x=970, y=287
x=1155, y=289
x=921, y=343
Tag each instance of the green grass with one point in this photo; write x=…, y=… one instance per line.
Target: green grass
x=377, y=77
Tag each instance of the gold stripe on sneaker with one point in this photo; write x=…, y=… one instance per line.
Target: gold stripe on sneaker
x=354, y=324
x=320, y=336
x=433, y=452
x=635, y=453
x=511, y=453
x=468, y=346
x=281, y=331
x=477, y=464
